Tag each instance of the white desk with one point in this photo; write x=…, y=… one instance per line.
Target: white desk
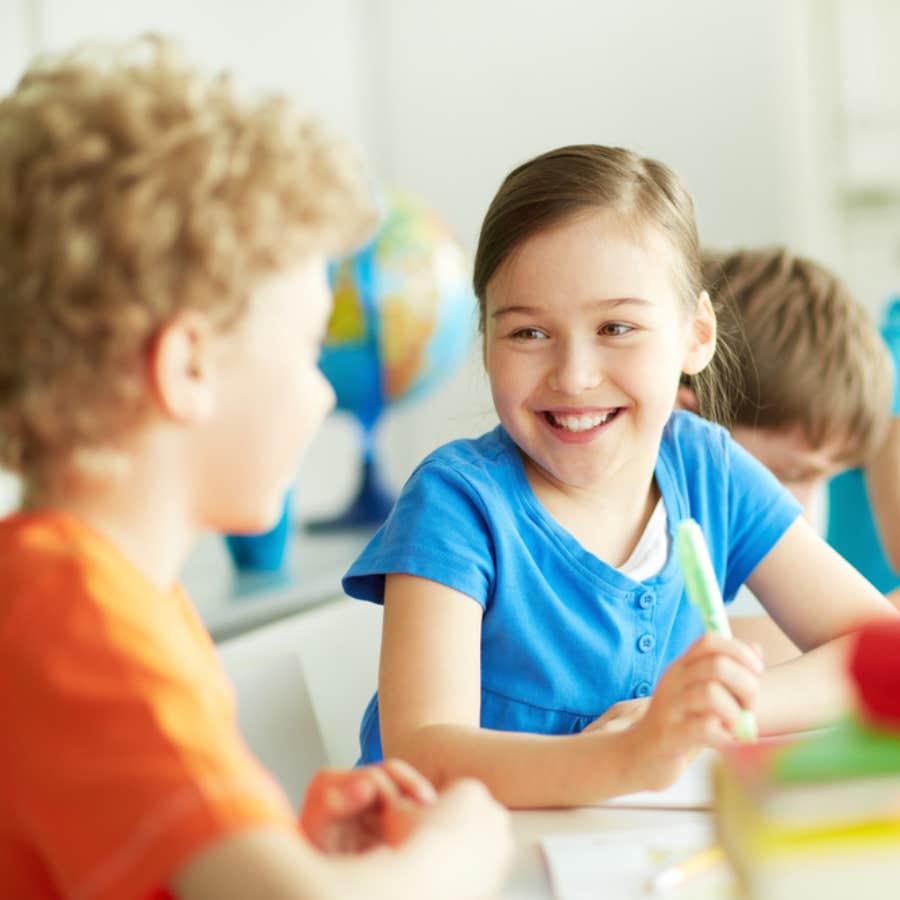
x=529, y=880
x=231, y=602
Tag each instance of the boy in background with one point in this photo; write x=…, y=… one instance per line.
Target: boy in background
x=814, y=385
x=163, y=295
x=864, y=504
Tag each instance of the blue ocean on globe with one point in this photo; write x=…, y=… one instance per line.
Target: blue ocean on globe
x=403, y=321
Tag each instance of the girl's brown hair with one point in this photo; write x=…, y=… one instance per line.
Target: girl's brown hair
x=563, y=183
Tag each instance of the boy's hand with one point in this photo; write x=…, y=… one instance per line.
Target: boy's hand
x=349, y=811
x=696, y=704
x=465, y=828
x=477, y=837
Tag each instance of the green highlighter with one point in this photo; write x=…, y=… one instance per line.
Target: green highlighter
x=703, y=592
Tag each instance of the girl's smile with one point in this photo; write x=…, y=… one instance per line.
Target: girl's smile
x=580, y=426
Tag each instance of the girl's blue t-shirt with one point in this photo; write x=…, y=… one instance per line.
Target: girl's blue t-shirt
x=564, y=635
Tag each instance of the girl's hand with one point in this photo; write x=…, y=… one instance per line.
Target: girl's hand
x=349, y=811
x=620, y=715
x=696, y=704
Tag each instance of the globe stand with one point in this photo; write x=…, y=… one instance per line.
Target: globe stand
x=373, y=501
x=267, y=552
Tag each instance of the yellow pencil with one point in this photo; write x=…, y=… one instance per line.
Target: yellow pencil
x=673, y=877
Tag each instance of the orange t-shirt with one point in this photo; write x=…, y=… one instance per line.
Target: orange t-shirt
x=120, y=756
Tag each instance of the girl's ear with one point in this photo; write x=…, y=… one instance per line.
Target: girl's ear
x=181, y=367
x=701, y=337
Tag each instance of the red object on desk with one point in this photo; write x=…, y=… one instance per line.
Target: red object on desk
x=875, y=668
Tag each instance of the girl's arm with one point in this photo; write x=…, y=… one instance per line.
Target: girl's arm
x=775, y=645
x=430, y=696
x=818, y=599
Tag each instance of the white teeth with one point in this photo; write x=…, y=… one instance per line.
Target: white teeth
x=579, y=423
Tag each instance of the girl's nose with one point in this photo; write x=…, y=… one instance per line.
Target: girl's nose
x=575, y=371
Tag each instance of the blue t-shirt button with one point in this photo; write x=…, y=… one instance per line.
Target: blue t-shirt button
x=643, y=689
x=646, y=642
x=646, y=600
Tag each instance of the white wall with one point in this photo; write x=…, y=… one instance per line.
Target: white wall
x=312, y=49
x=473, y=88
x=445, y=97
x=867, y=104
x=469, y=89
x=16, y=41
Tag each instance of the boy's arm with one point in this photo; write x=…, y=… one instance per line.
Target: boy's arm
x=883, y=487
x=430, y=694
x=883, y=471
x=460, y=850
x=762, y=631
x=818, y=599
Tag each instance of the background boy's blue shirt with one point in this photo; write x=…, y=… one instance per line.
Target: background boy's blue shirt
x=890, y=332
x=851, y=526
x=565, y=635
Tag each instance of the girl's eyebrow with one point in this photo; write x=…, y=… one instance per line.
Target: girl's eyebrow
x=609, y=303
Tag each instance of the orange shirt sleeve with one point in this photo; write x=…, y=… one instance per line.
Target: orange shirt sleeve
x=122, y=757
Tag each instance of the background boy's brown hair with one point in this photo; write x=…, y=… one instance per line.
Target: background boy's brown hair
x=133, y=187
x=811, y=357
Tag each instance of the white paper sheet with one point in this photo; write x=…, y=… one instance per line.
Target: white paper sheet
x=692, y=791
x=620, y=865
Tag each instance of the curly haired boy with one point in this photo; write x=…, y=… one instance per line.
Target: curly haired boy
x=163, y=294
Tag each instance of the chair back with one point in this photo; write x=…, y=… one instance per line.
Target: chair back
x=302, y=684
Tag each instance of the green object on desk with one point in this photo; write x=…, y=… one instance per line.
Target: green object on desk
x=703, y=591
x=849, y=749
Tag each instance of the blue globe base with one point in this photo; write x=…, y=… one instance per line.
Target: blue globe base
x=370, y=508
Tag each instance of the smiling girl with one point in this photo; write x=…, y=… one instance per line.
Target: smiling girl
x=527, y=576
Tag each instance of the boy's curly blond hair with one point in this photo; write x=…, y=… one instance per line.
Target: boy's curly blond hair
x=133, y=187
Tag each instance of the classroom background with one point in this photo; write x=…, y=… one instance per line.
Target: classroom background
x=780, y=115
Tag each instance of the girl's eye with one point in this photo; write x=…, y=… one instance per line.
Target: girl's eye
x=615, y=329
x=529, y=334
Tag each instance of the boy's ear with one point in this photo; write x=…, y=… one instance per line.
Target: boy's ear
x=686, y=399
x=181, y=367
x=701, y=337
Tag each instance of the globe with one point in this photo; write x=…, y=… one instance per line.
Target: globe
x=402, y=323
